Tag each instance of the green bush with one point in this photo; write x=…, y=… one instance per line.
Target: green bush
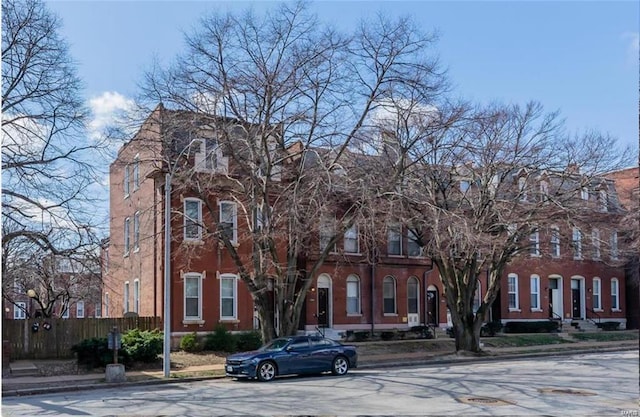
x=189, y=343
x=142, y=346
x=548, y=326
x=93, y=353
x=361, y=336
x=609, y=325
x=248, y=341
x=221, y=340
x=388, y=335
x=491, y=328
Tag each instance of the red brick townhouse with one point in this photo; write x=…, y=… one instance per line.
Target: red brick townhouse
x=399, y=290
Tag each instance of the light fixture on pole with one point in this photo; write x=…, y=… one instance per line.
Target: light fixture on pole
x=166, y=350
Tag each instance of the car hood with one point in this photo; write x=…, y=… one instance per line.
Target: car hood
x=243, y=356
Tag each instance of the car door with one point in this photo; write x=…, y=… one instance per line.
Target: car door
x=322, y=353
x=298, y=357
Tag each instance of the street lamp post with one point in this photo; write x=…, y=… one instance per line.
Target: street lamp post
x=166, y=350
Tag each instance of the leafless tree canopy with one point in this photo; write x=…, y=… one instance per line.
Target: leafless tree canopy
x=45, y=169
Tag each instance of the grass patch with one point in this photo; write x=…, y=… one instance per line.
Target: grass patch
x=606, y=336
x=524, y=340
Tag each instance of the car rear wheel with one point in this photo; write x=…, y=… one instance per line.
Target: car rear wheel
x=340, y=366
x=266, y=371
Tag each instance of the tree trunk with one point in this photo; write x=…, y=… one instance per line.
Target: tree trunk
x=264, y=306
x=468, y=336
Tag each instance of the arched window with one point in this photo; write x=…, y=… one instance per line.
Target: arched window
x=412, y=295
x=389, y=295
x=353, y=295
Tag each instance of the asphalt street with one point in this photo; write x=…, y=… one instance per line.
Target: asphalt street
x=602, y=384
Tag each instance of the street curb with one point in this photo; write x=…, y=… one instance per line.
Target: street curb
x=433, y=361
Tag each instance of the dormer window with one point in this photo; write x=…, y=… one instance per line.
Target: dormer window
x=209, y=158
x=544, y=190
x=522, y=188
x=584, y=193
x=602, y=200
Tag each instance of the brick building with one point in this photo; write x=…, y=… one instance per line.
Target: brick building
x=399, y=289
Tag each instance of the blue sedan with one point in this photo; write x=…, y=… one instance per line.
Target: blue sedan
x=293, y=355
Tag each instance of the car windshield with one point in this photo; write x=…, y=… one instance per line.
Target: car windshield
x=276, y=344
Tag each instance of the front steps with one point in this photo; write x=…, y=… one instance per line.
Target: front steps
x=577, y=325
x=23, y=368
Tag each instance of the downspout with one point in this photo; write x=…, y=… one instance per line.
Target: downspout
x=373, y=290
x=155, y=249
x=426, y=294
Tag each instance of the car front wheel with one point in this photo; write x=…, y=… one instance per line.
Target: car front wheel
x=340, y=366
x=266, y=371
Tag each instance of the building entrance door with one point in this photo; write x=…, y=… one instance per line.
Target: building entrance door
x=323, y=307
x=432, y=307
x=576, y=307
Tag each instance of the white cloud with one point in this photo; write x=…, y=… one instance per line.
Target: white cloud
x=633, y=46
x=110, y=109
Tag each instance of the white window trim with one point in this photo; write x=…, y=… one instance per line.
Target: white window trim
x=127, y=241
x=136, y=296
x=356, y=229
x=597, y=294
x=395, y=296
x=125, y=306
x=136, y=231
x=78, y=309
x=616, y=307
x=355, y=279
x=20, y=310
x=186, y=220
x=584, y=193
x=233, y=277
x=234, y=239
x=534, y=238
x=577, y=244
x=516, y=308
x=184, y=299
x=125, y=182
x=536, y=292
x=136, y=173
x=555, y=242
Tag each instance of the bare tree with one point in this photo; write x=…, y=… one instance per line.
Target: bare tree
x=45, y=157
x=284, y=99
x=477, y=183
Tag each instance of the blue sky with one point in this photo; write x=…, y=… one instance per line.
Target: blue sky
x=578, y=57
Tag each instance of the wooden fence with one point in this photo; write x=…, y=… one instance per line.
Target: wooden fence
x=30, y=339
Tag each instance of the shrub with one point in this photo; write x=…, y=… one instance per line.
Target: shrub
x=547, y=326
x=221, y=340
x=248, y=341
x=609, y=325
x=142, y=346
x=361, y=336
x=491, y=328
x=189, y=343
x=93, y=353
x=387, y=335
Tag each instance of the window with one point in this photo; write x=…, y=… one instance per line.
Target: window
x=229, y=220
x=584, y=193
x=136, y=296
x=192, y=301
x=412, y=295
x=126, y=181
x=20, y=311
x=394, y=239
x=351, y=244
x=522, y=188
x=389, y=295
x=534, y=245
x=535, y=293
x=126, y=297
x=595, y=241
x=106, y=304
x=208, y=156
x=353, y=295
x=413, y=243
x=614, y=245
x=126, y=236
x=597, y=294
x=228, y=291
x=136, y=231
x=80, y=309
x=602, y=200
x=544, y=190
x=577, y=243
x=65, y=311
x=465, y=185
x=326, y=231
x=512, y=280
x=477, y=297
x=136, y=174
x=98, y=308
x=615, y=294
x=555, y=242
x=192, y=219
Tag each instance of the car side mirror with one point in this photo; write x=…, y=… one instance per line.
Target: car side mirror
x=290, y=349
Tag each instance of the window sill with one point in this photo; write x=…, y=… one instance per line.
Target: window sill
x=126, y=254
x=231, y=320
x=192, y=321
x=353, y=253
x=391, y=314
x=192, y=241
x=536, y=310
x=127, y=196
x=515, y=310
x=616, y=310
x=354, y=315
x=598, y=310
x=578, y=258
x=395, y=255
x=136, y=250
x=535, y=255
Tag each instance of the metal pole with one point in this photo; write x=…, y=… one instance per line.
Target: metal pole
x=166, y=362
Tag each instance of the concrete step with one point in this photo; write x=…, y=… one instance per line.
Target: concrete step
x=23, y=368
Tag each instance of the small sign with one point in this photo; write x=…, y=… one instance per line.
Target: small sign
x=114, y=341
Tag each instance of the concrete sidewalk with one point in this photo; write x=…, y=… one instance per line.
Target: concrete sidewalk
x=30, y=385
